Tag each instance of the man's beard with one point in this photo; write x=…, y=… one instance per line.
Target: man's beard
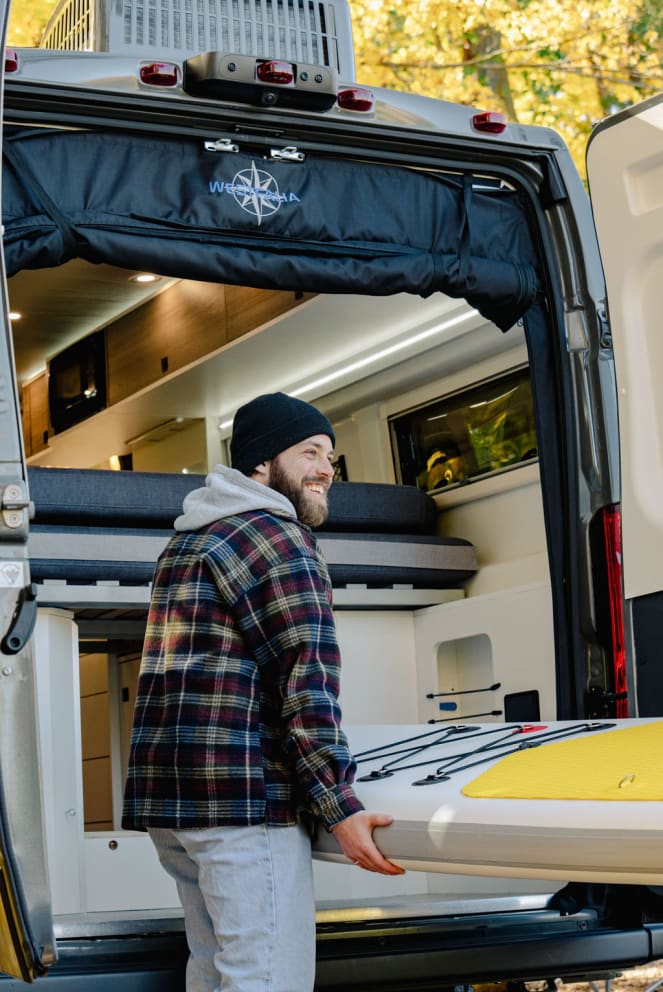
x=311, y=510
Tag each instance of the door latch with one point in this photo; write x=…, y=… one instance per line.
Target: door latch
x=22, y=622
x=221, y=145
x=288, y=154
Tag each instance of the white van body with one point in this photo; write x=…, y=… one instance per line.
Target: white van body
x=544, y=617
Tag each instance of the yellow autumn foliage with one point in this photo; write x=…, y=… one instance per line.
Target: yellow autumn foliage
x=27, y=20
x=559, y=63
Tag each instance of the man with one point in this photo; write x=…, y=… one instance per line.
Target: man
x=237, y=742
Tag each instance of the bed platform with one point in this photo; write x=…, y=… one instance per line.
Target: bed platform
x=99, y=531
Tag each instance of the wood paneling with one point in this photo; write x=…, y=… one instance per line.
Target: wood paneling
x=95, y=742
x=129, y=669
x=182, y=325
x=34, y=415
x=98, y=795
x=93, y=670
x=248, y=308
x=175, y=328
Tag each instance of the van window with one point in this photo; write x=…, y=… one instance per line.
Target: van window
x=486, y=429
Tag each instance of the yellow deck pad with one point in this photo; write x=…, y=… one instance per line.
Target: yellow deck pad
x=620, y=765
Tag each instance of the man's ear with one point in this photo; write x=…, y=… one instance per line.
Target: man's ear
x=261, y=473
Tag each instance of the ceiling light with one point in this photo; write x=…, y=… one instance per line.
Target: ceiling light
x=15, y=315
x=144, y=277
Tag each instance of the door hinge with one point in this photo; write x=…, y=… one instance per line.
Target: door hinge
x=605, y=334
x=15, y=507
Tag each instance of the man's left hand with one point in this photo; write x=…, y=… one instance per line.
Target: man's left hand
x=355, y=836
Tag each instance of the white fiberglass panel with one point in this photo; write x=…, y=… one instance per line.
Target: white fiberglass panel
x=625, y=167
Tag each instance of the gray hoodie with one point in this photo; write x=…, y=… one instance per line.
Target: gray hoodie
x=225, y=493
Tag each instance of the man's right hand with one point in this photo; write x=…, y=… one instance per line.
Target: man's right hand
x=355, y=836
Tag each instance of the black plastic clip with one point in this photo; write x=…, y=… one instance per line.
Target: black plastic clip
x=431, y=780
x=377, y=774
x=22, y=622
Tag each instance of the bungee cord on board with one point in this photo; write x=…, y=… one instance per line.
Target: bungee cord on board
x=496, y=747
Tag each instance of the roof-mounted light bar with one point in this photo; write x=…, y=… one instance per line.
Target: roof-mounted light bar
x=262, y=82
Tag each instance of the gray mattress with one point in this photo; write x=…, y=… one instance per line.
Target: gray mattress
x=95, y=526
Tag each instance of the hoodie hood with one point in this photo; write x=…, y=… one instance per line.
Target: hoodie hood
x=227, y=492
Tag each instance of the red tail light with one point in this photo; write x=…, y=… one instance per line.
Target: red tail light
x=11, y=60
x=276, y=73
x=612, y=537
x=355, y=98
x=159, y=74
x=490, y=121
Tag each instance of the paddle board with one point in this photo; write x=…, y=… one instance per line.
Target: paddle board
x=579, y=800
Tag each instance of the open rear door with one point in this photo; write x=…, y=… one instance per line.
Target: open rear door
x=625, y=169
x=27, y=946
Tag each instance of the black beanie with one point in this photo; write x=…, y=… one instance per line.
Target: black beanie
x=271, y=423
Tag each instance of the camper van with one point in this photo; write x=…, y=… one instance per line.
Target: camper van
x=201, y=203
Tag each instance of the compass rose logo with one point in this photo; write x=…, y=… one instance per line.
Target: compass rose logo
x=257, y=192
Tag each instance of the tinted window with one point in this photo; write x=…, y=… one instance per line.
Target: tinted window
x=485, y=429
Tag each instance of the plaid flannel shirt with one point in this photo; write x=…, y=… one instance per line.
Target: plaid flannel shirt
x=237, y=718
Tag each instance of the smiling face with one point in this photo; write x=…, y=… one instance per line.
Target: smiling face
x=304, y=473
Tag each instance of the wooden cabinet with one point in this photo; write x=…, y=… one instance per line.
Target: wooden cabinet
x=34, y=414
x=96, y=742
x=179, y=326
x=248, y=308
x=184, y=324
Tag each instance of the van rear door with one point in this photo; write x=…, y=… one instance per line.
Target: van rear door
x=625, y=170
x=27, y=946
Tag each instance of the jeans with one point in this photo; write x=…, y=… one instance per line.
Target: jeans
x=249, y=913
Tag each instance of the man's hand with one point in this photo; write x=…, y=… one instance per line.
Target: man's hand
x=355, y=836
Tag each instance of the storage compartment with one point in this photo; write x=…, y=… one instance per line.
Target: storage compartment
x=466, y=683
